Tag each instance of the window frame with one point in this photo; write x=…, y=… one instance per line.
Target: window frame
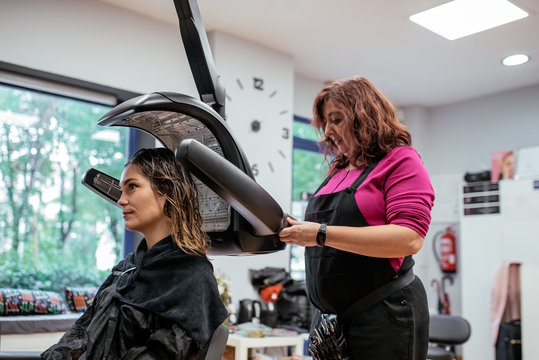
x=38, y=80
x=309, y=145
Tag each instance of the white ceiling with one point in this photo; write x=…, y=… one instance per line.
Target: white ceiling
x=332, y=39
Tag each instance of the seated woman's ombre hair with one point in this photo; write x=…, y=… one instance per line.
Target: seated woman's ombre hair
x=170, y=179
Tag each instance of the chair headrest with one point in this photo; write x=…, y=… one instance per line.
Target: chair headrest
x=448, y=329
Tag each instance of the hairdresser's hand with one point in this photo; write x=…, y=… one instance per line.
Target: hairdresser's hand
x=301, y=233
x=285, y=220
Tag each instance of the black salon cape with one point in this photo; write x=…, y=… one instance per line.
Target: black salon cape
x=165, y=295
x=175, y=285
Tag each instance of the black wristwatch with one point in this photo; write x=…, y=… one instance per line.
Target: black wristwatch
x=321, y=236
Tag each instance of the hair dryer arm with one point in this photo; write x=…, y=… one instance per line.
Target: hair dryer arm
x=237, y=188
x=197, y=48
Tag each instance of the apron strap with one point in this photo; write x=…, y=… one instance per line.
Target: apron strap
x=357, y=182
x=323, y=183
x=361, y=178
x=376, y=296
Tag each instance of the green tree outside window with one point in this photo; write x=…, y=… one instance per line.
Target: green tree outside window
x=54, y=231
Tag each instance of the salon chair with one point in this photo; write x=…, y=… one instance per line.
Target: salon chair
x=218, y=343
x=445, y=332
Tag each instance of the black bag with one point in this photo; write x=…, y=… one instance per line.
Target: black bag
x=293, y=307
x=268, y=276
x=509, y=345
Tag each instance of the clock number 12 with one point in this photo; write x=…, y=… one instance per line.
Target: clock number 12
x=258, y=83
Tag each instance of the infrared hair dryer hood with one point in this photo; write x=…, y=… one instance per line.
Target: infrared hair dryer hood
x=239, y=215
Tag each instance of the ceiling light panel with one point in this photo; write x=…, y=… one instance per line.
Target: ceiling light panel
x=514, y=60
x=460, y=18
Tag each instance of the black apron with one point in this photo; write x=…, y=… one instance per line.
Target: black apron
x=337, y=279
x=393, y=328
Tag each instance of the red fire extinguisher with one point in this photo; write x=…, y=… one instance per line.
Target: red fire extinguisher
x=445, y=252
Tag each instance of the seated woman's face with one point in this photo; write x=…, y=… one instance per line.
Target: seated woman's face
x=142, y=208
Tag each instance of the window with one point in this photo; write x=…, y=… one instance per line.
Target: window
x=54, y=231
x=309, y=170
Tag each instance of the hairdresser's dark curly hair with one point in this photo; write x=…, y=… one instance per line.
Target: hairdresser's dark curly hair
x=170, y=179
x=370, y=120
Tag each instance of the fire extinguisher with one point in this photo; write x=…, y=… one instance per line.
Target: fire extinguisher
x=446, y=252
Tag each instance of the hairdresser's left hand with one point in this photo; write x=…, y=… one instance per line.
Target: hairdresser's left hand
x=301, y=233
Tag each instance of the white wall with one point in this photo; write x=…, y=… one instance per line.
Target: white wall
x=97, y=42
x=461, y=137
x=530, y=298
x=304, y=94
x=416, y=119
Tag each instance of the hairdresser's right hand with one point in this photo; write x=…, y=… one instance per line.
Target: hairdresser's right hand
x=302, y=233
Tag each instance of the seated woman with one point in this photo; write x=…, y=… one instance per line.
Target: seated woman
x=162, y=301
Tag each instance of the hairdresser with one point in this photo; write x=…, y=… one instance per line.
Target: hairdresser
x=364, y=223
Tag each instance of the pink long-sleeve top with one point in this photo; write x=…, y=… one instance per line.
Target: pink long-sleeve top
x=397, y=191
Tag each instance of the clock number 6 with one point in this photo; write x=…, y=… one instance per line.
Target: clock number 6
x=254, y=169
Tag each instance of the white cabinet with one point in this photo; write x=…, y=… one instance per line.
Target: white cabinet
x=486, y=240
x=481, y=254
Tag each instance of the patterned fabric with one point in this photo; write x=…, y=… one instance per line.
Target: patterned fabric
x=79, y=298
x=26, y=302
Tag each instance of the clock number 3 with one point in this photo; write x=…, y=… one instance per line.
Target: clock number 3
x=286, y=133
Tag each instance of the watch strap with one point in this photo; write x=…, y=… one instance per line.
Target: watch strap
x=321, y=235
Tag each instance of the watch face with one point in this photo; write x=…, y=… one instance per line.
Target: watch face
x=261, y=119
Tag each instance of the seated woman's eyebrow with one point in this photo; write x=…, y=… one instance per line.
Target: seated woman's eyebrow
x=127, y=181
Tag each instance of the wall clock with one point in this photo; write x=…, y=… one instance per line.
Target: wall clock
x=264, y=129
x=259, y=84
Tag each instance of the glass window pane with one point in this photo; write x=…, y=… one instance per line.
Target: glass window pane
x=309, y=171
x=48, y=219
x=306, y=131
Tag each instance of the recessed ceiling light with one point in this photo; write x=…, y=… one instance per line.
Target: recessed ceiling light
x=516, y=59
x=460, y=18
